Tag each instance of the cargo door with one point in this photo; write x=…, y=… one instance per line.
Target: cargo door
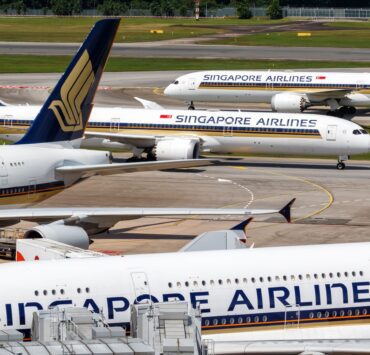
x=141, y=285
x=331, y=133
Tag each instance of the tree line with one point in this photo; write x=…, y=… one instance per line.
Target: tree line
x=164, y=7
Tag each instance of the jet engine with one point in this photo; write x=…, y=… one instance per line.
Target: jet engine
x=176, y=149
x=288, y=103
x=71, y=235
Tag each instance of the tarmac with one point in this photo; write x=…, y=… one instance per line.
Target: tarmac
x=332, y=206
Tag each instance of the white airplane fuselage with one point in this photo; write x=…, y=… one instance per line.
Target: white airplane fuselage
x=27, y=172
x=316, y=88
x=222, y=131
x=238, y=291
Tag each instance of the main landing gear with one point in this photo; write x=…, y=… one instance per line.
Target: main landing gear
x=342, y=111
x=341, y=165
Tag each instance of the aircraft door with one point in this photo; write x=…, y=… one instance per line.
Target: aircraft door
x=192, y=83
x=228, y=131
x=360, y=84
x=292, y=316
x=141, y=285
x=114, y=124
x=31, y=187
x=331, y=133
x=8, y=120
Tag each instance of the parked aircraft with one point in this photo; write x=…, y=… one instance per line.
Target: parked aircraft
x=286, y=91
x=44, y=161
x=181, y=134
x=238, y=292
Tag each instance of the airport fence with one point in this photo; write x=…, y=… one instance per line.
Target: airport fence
x=310, y=12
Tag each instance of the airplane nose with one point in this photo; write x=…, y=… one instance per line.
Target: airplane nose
x=167, y=91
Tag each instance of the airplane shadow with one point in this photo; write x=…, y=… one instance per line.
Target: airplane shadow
x=122, y=235
x=303, y=165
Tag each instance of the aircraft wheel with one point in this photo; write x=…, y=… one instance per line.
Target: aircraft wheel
x=331, y=113
x=341, y=165
x=191, y=106
x=351, y=110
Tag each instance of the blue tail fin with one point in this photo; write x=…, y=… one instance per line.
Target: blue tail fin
x=65, y=113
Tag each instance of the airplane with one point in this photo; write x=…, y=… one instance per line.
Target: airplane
x=165, y=134
x=286, y=91
x=241, y=293
x=44, y=161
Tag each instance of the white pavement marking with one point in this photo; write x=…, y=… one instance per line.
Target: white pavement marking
x=245, y=188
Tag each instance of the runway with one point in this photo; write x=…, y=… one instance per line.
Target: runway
x=182, y=49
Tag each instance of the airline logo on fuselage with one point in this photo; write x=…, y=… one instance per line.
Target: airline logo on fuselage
x=72, y=94
x=286, y=78
x=242, y=300
x=246, y=121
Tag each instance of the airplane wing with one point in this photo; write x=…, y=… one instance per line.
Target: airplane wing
x=327, y=94
x=149, y=105
x=109, y=169
x=39, y=214
x=136, y=140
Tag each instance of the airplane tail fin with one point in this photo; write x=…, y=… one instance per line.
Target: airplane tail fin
x=64, y=115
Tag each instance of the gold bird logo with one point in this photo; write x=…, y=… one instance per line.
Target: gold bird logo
x=72, y=94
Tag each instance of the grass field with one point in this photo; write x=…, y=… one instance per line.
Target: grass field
x=335, y=38
x=54, y=29
x=57, y=64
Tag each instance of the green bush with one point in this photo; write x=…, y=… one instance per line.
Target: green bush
x=243, y=9
x=112, y=8
x=274, y=10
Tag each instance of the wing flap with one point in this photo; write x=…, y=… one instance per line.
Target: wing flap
x=109, y=169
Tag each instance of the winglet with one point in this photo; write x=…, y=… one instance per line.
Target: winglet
x=243, y=225
x=285, y=211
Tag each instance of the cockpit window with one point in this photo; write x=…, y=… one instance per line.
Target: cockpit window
x=364, y=131
x=176, y=82
x=356, y=132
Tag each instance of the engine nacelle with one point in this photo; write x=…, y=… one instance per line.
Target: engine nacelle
x=70, y=235
x=288, y=103
x=176, y=149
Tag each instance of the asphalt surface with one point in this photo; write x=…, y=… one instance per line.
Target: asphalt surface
x=332, y=206
x=176, y=49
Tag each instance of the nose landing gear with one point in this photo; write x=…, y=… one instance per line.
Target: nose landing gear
x=341, y=165
x=191, y=106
